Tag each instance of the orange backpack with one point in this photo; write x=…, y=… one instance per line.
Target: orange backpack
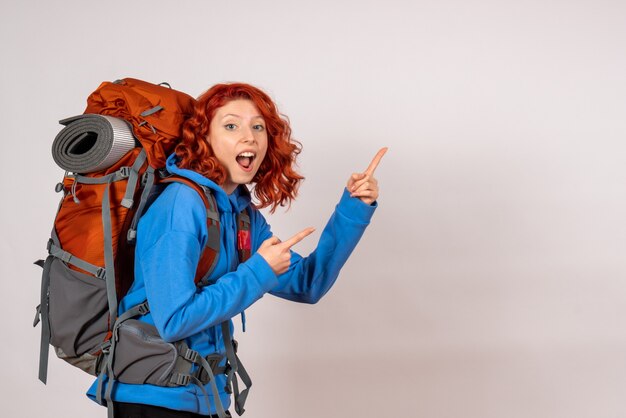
x=110, y=181
x=91, y=254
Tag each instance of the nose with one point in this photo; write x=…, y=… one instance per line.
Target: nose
x=248, y=135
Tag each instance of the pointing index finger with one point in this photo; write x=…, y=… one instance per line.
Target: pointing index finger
x=298, y=237
x=376, y=161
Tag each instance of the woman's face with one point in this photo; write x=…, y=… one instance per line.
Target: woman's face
x=238, y=136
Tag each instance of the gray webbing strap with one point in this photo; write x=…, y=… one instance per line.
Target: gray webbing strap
x=236, y=368
x=120, y=174
x=201, y=361
x=109, y=262
x=104, y=373
x=109, y=265
x=110, y=383
x=43, y=308
x=145, y=194
x=67, y=257
x=181, y=377
x=101, y=377
x=127, y=201
x=136, y=310
x=151, y=111
x=240, y=398
x=230, y=354
x=212, y=212
x=45, y=322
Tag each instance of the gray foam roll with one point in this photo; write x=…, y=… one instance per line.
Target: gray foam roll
x=90, y=143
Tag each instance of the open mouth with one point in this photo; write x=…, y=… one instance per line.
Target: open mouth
x=245, y=160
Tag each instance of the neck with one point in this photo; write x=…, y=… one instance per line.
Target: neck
x=229, y=187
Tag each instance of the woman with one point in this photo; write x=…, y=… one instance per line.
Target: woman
x=235, y=137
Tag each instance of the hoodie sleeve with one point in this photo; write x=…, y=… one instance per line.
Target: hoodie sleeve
x=169, y=242
x=309, y=278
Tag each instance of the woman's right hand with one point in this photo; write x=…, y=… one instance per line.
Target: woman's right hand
x=277, y=253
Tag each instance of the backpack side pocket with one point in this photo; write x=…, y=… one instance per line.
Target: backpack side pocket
x=142, y=356
x=78, y=312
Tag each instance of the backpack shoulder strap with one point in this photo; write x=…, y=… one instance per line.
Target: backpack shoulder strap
x=244, y=244
x=210, y=253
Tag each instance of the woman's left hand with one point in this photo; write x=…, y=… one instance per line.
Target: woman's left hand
x=364, y=185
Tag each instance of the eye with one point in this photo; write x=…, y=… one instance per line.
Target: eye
x=230, y=126
x=258, y=127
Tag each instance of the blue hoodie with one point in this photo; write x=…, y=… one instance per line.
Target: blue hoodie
x=170, y=237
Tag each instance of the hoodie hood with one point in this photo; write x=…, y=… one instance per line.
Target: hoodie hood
x=235, y=202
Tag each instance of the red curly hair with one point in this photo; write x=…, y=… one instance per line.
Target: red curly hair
x=276, y=182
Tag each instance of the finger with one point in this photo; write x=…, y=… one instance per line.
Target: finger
x=376, y=161
x=369, y=182
x=364, y=193
x=298, y=237
x=370, y=194
x=363, y=185
x=273, y=240
x=354, y=178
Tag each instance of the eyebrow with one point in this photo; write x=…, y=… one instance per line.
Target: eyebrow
x=237, y=116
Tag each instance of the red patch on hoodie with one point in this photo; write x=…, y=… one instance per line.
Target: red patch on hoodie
x=243, y=240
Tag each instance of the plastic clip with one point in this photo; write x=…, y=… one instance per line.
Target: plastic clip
x=125, y=172
x=180, y=379
x=131, y=235
x=191, y=355
x=101, y=273
x=143, y=308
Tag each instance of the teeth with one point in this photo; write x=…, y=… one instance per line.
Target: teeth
x=246, y=154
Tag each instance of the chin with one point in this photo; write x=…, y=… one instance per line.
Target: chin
x=244, y=180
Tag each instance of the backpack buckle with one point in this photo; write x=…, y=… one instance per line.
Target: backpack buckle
x=101, y=273
x=125, y=172
x=191, y=355
x=143, y=308
x=180, y=379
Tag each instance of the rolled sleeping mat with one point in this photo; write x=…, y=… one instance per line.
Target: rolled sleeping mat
x=90, y=143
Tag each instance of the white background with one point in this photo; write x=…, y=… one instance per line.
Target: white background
x=491, y=283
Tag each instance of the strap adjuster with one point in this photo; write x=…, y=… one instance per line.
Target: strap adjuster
x=101, y=273
x=143, y=308
x=191, y=355
x=180, y=379
x=125, y=171
x=105, y=346
x=144, y=179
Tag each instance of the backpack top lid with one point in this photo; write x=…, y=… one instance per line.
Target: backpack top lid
x=155, y=111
